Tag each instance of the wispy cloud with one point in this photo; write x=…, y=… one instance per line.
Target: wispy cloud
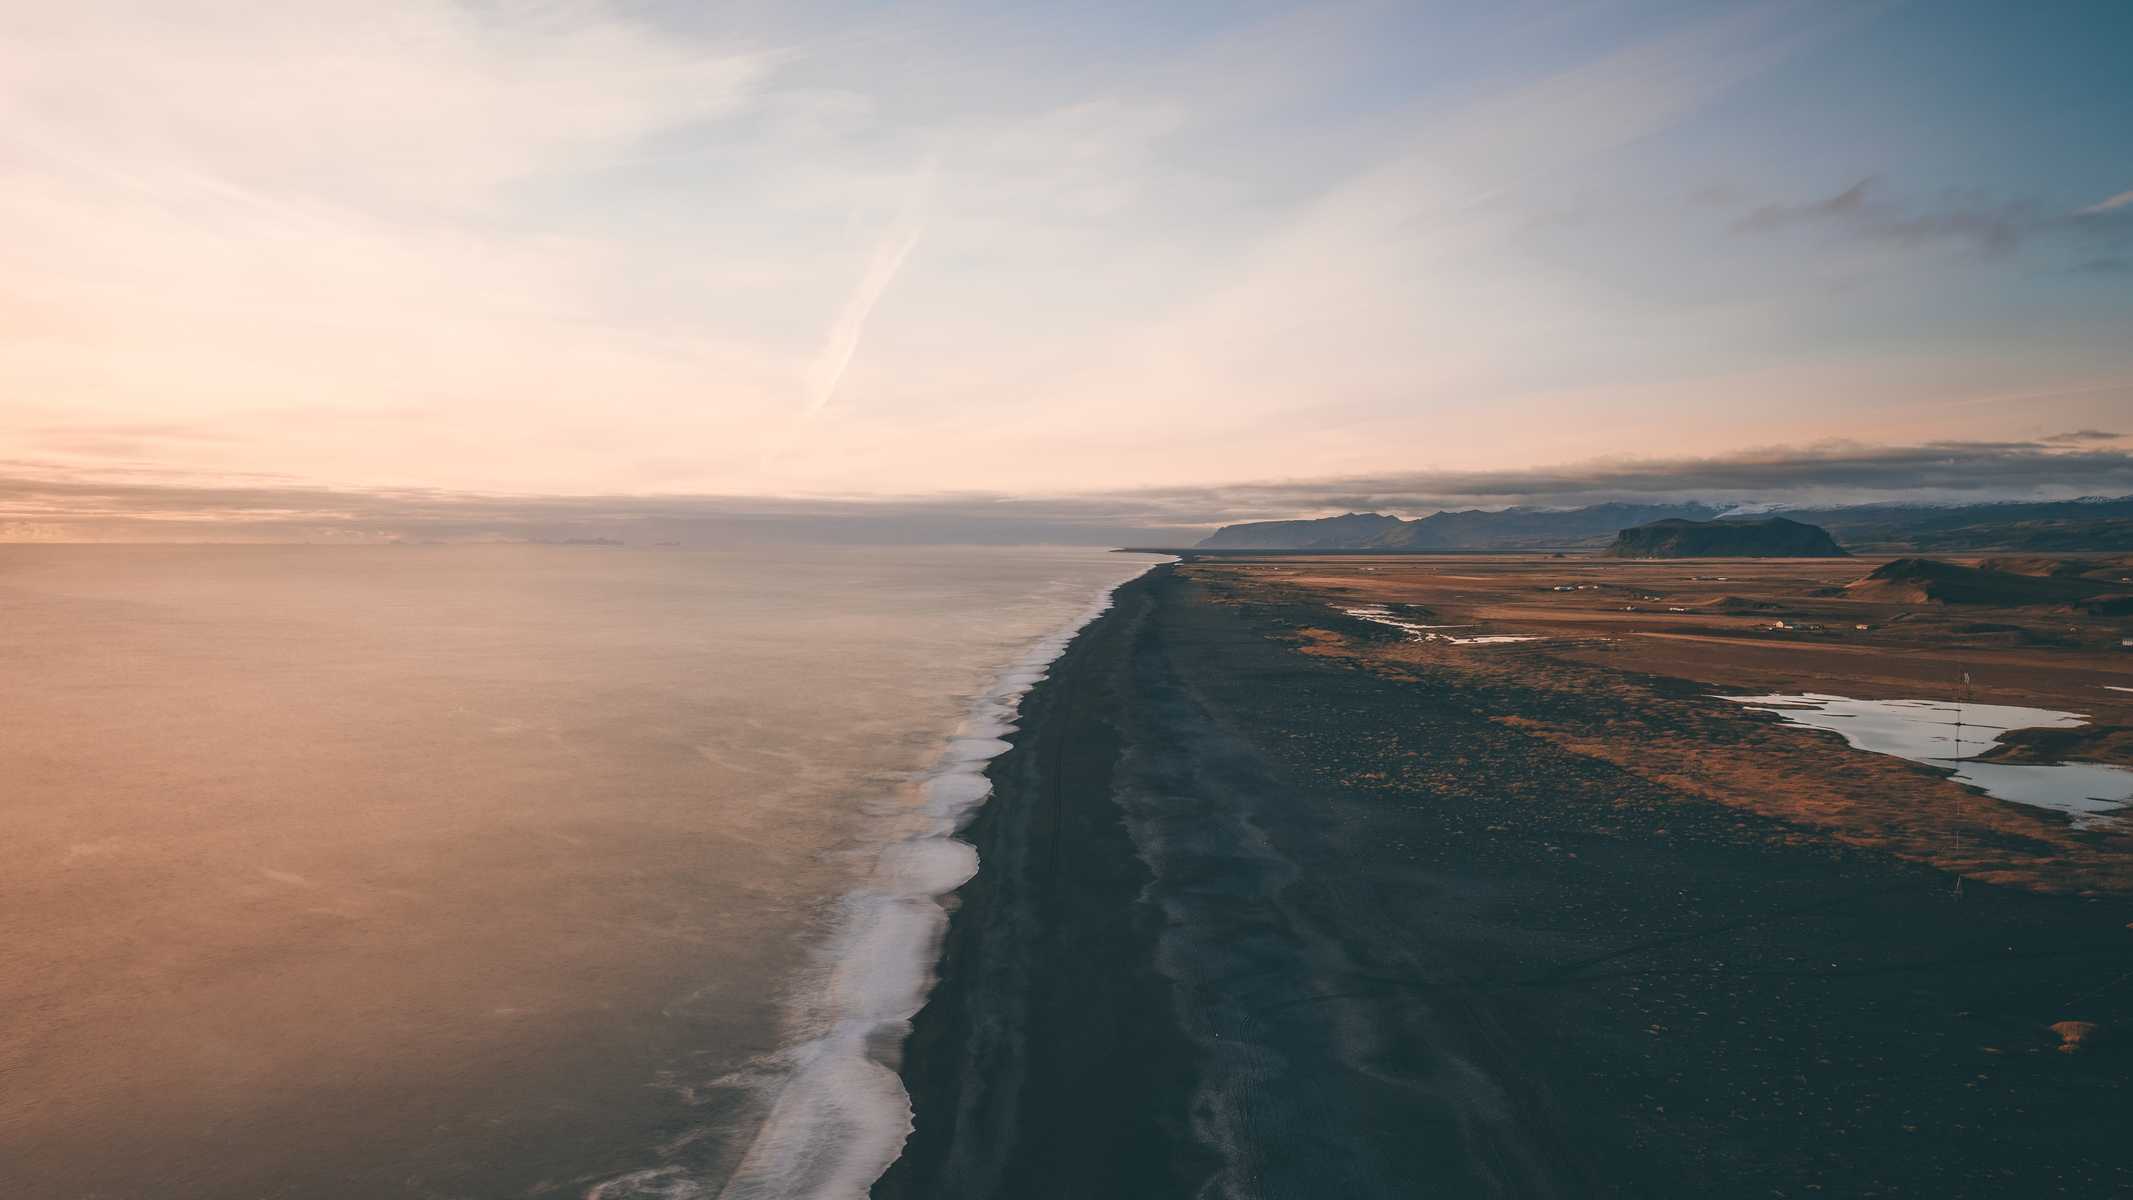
x=601, y=247
x=222, y=216
x=1860, y=209
x=890, y=250
x=2119, y=201
x=1864, y=209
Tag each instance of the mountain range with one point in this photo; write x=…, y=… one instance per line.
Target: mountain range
x=2101, y=524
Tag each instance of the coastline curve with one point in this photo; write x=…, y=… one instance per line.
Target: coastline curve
x=841, y=1113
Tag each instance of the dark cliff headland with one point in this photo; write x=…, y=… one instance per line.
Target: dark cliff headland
x=1771, y=537
x=1252, y=921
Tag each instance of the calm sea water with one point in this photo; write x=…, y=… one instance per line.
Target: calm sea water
x=485, y=871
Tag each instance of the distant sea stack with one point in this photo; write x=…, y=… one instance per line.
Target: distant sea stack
x=1771, y=537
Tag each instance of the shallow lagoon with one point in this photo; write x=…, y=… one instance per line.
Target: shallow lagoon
x=1943, y=733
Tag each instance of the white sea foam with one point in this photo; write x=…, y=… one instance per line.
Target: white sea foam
x=660, y=1183
x=840, y=1113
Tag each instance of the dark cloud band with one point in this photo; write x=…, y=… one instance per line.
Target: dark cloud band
x=46, y=502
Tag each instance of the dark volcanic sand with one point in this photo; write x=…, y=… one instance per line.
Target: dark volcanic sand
x=1251, y=922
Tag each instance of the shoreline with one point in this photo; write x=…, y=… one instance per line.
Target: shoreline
x=1045, y=999
x=1257, y=922
x=841, y=1115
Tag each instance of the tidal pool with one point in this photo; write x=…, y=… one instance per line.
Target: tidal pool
x=1943, y=733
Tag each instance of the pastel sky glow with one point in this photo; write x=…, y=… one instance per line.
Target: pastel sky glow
x=815, y=250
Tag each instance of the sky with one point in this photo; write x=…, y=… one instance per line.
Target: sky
x=334, y=260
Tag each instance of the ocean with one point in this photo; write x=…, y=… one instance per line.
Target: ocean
x=488, y=871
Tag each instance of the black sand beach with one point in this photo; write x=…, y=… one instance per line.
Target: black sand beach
x=1253, y=922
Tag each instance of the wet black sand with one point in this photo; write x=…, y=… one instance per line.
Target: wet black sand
x=1251, y=922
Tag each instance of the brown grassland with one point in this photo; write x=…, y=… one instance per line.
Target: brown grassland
x=1639, y=649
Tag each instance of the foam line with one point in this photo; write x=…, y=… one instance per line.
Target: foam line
x=841, y=1114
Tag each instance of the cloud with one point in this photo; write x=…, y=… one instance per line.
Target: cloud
x=128, y=507
x=1777, y=216
x=1864, y=210
x=2077, y=436
x=415, y=106
x=890, y=251
x=576, y=247
x=1859, y=210
x=282, y=226
x=2119, y=201
x=1827, y=473
x=588, y=247
x=52, y=506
